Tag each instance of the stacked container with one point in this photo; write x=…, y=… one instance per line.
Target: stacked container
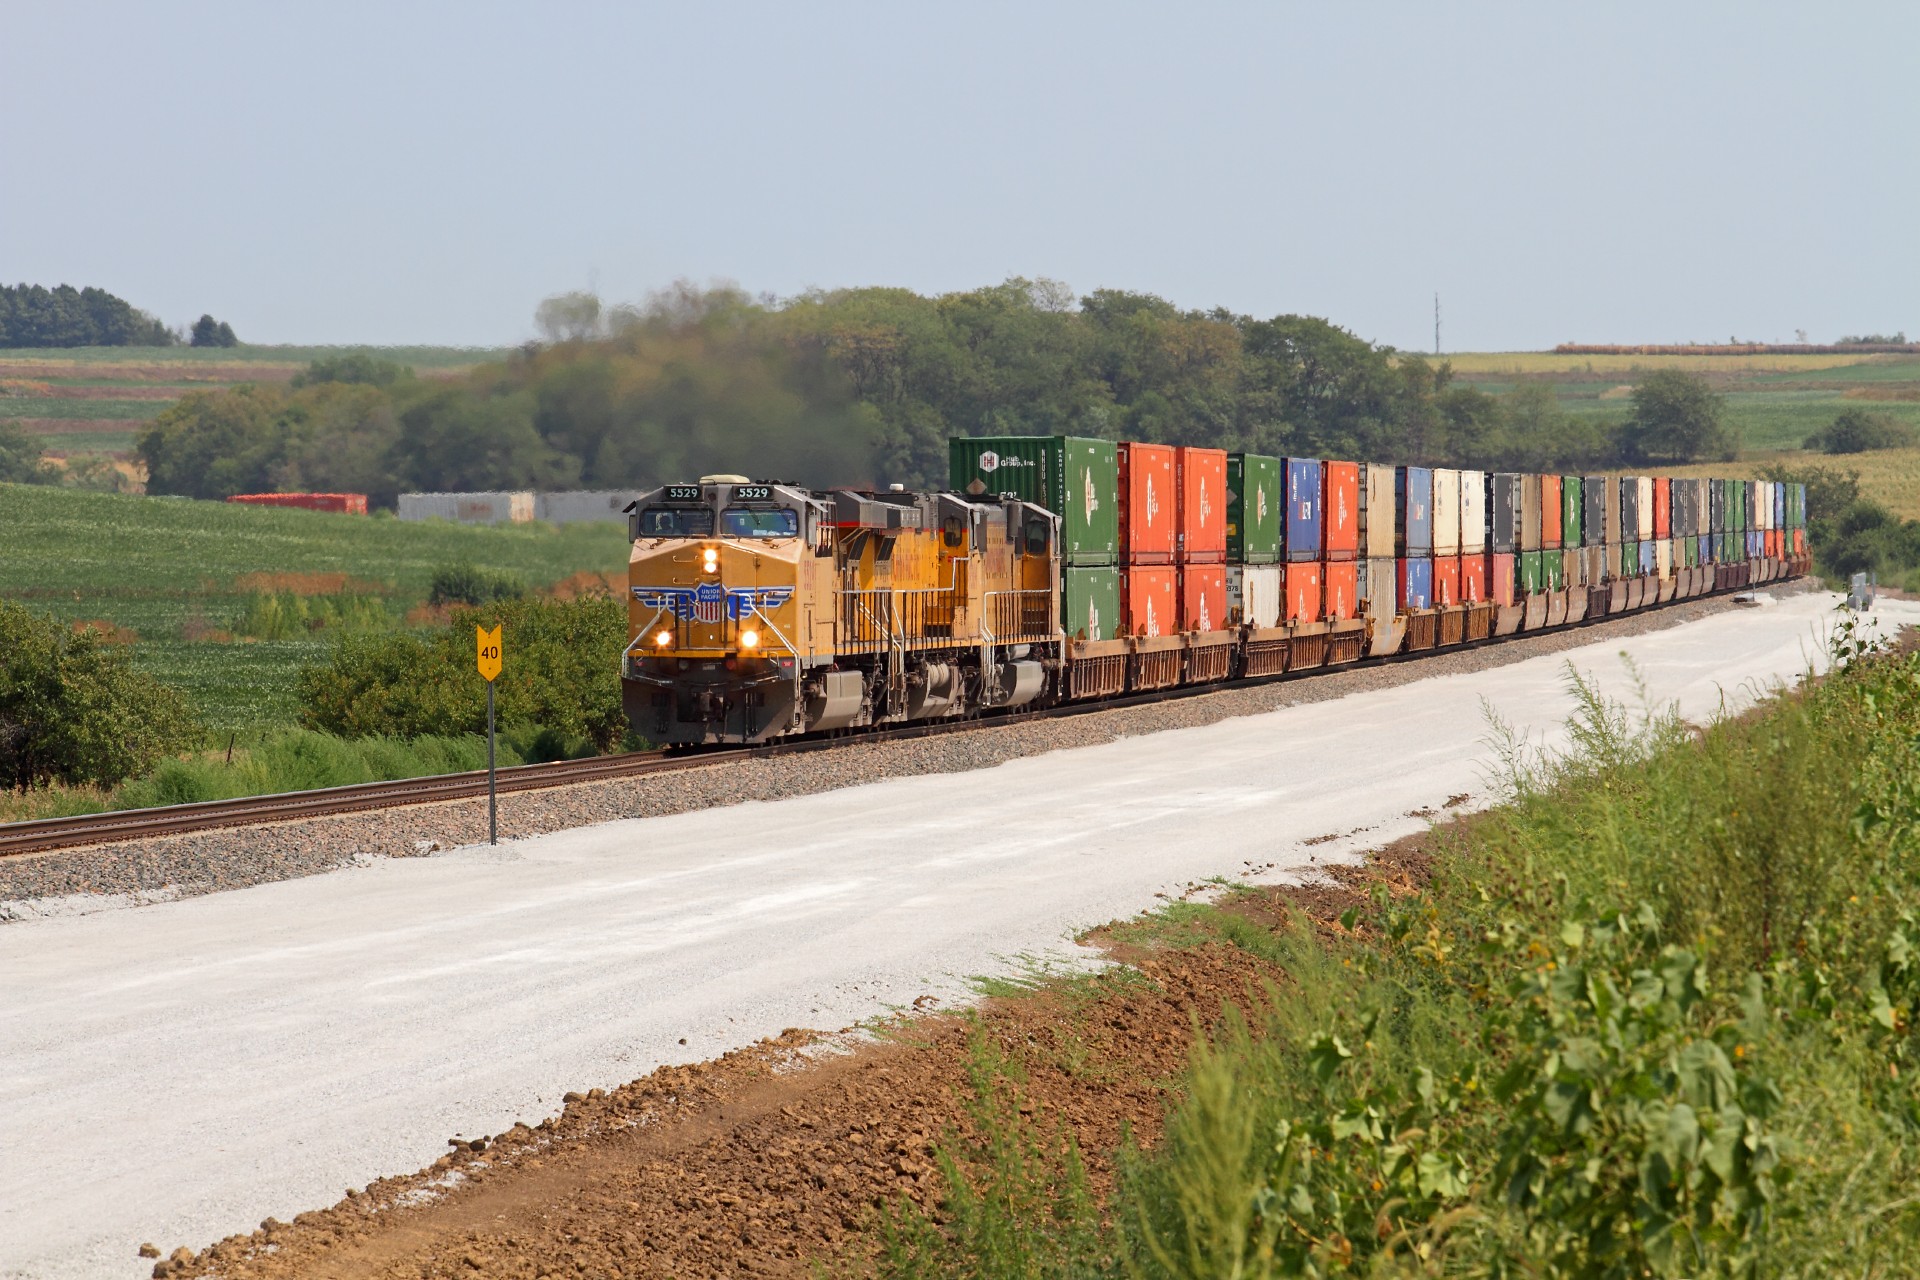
x=1301, y=539
x=1200, y=537
x=1076, y=478
x=1593, y=526
x=1340, y=538
x=1503, y=503
x=1378, y=573
x=1473, y=537
x=1573, y=563
x=1533, y=564
x=1149, y=514
x=1446, y=537
x=1255, y=501
x=1413, y=536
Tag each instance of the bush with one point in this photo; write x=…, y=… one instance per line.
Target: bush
x=301, y=760
x=562, y=673
x=466, y=584
x=20, y=457
x=1856, y=431
x=73, y=709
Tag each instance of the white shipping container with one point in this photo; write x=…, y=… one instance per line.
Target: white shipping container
x=1379, y=506
x=1253, y=591
x=1446, y=512
x=1473, y=513
x=1766, y=505
x=1663, y=557
x=1644, y=486
x=499, y=507
x=583, y=506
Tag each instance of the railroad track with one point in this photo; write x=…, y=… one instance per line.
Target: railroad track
x=46, y=834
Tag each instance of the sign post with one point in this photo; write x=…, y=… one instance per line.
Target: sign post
x=487, y=659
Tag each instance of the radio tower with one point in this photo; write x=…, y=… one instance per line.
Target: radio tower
x=1436, y=323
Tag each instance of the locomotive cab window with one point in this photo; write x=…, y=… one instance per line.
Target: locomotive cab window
x=753, y=522
x=672, y=522
x=951, y=532
x=1039, y=534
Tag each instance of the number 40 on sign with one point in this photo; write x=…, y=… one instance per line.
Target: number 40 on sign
x=488, y=644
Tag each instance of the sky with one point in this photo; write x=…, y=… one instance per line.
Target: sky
x=399, y=173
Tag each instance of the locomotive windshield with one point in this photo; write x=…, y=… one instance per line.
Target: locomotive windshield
x=670, y=522
x=746, y=522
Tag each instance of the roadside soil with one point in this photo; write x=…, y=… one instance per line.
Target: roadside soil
x=779, y=1157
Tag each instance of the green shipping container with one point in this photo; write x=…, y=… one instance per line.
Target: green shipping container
x=1533, y=572
x=1089, y=601
x=1075, y=478
x=1629, y=565
x=1571, y=494
x=1256, y=496
x=1556, y=568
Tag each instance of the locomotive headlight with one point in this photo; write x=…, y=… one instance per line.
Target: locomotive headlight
x=663, y=639
x=749, y=639
x=712, y=555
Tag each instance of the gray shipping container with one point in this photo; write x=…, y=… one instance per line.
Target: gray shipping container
x=495, y=507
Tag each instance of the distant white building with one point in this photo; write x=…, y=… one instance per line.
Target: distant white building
x=574, y=506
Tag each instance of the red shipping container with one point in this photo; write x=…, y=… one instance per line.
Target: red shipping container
x=1340, y=585
x=1550, y=523
x=1203, y=597
x=1148, y=503
x=1303, y=591
x=1340, y=527
x=1446, y=581
x=1202, y=477
x=1502, y=586
x=1473, y=579
x=351, y=504
x=1662, y=508
x=1150, y=600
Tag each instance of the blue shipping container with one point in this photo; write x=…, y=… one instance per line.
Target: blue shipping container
x=1779, y=506
x=1756, y=544
x=1649, y=558
x=1304, y=514
x=1413, y=522
x=1416, y=583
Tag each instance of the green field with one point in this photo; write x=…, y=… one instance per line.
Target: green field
x=106, y=393
x=1775, y=401
x=176, y=574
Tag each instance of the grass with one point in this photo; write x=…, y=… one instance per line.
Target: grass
x=1475, y=363
x=1655, y=1015
x=37, y=383
x=185, y=576
x=287, y=760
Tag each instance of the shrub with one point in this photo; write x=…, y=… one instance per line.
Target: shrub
x=1856, y=431
x=562, y=673
x=467, y=584
x=73, y=709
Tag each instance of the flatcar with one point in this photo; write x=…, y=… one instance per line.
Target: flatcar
x=1058, y=569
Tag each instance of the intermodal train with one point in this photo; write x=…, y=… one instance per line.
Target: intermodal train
x=1058, y=569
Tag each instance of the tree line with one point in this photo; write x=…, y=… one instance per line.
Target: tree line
x=865, y=386
x=33, y=315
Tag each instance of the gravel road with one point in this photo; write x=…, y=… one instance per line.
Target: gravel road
x=142, y=872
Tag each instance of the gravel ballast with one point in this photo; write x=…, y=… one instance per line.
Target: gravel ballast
x=137, y=872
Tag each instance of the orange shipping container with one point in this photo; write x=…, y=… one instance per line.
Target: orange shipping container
x=352, y=504
x=1303, y=591
x=1662, y=508
x=1147, y=505
x=1203, y=597
x=1773, y=543
x=1500, y=586
x=1446, y=581
x=1550, y=513
x=1340, y=527
x=1150, y=600
x=1340, y=586
x=1202, y=477
x=1473, y=579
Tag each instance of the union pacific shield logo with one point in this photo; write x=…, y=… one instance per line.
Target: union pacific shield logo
x=709, y=602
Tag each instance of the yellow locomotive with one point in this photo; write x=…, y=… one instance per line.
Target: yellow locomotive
x=762, y=610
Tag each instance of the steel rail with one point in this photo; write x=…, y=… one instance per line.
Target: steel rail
x=44, y=834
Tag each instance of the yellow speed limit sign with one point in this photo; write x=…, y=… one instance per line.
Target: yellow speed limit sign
x=487, y=644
